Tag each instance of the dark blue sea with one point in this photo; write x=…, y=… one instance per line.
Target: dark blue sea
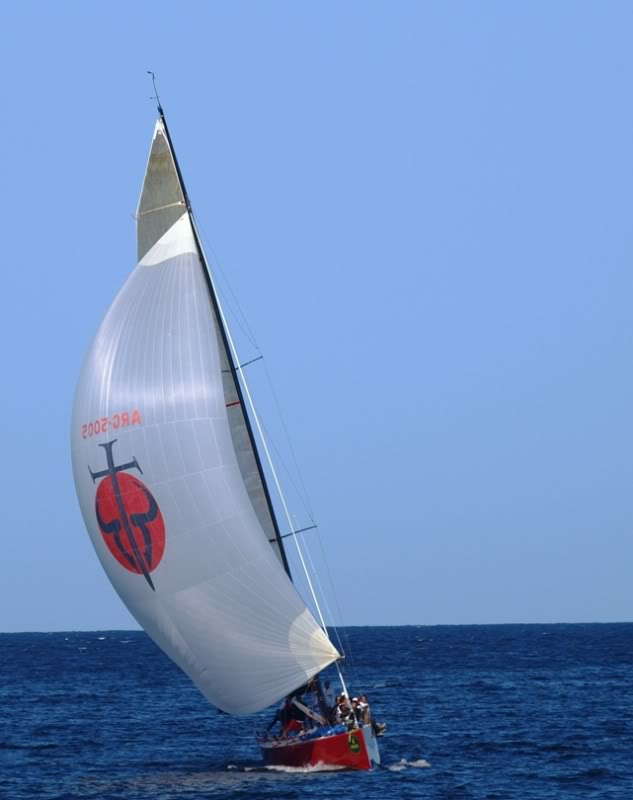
x=500, y=711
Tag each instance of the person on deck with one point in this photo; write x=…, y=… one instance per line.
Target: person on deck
x=344, y=714
x=363, y=707
x=356, y=711
x=329, y=696
x=290, y=718
x=279, y=715
x=377, y=727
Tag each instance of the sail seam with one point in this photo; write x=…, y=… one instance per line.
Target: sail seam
x=159, y=208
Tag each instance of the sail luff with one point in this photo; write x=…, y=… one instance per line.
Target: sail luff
x=219, y=318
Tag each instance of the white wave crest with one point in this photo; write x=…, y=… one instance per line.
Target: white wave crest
x=419, y=763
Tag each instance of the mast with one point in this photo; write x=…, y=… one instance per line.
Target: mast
x=227, y=347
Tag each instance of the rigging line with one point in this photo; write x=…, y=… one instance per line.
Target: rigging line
x=342, y=680
x=347, y=650
x=235, y=316
x=303, y=500
x=320, y=587
x=334, y=594
x=222, y=289
x=271, y=466
x=216, y=261
x=149, y=72
x=289, y=442
x=304, y=497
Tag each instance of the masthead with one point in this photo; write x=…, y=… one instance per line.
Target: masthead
x=155, y=96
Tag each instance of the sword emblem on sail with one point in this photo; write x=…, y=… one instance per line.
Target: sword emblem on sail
x=129, y=518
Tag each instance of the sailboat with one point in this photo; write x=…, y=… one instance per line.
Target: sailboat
x=175, y=498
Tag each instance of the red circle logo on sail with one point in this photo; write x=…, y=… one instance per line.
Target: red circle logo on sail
x=131, y=523
x=128, y=515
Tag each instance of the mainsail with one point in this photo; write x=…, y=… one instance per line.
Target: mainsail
x=168, y=476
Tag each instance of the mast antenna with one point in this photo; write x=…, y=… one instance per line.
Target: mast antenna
x=155, y=97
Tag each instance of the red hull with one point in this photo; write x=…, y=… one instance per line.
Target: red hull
x=355, y=749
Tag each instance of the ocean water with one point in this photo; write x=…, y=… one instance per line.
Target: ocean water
x=508, y=711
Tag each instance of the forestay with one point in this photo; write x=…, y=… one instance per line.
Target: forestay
x=163, y=495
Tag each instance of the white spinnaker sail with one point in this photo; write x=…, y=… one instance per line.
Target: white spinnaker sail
x=163, y=497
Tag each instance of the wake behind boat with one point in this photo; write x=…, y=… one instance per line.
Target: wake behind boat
x=166, y=449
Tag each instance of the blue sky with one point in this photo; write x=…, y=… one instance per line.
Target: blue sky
x=424, y=210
